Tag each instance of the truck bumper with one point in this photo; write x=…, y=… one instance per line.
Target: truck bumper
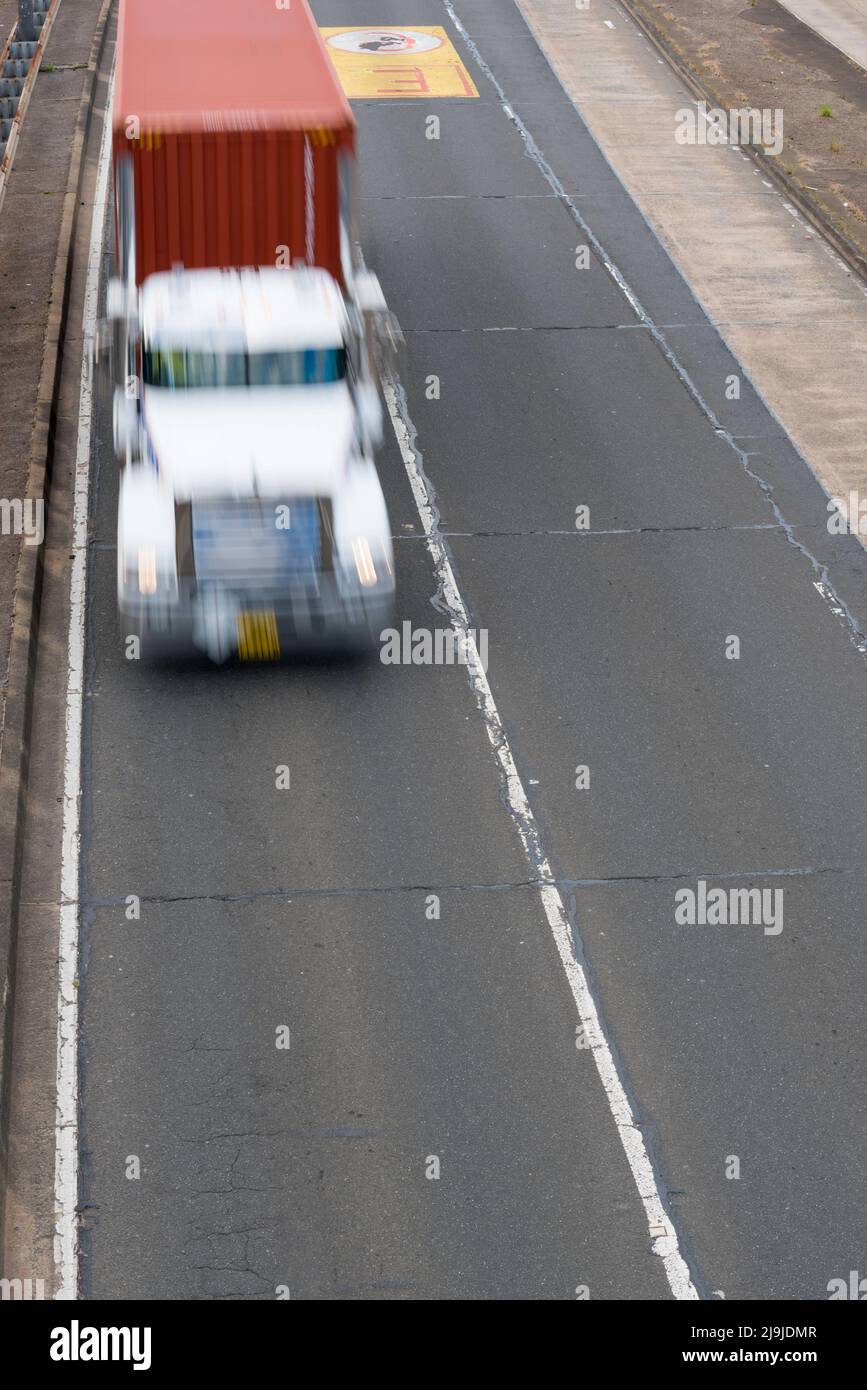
x=222, y=623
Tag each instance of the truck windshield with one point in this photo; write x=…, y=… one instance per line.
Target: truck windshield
x=182, y=370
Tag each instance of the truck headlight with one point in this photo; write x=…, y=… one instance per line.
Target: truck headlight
x=143, y=572
x=364, y=566
x=147, y=570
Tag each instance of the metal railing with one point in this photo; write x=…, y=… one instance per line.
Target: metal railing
x=19, y=63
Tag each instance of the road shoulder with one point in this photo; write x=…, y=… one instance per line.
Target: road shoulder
x=38, y=229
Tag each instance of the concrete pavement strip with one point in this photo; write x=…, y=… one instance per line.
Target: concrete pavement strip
x=43, y=243
x=792, y=313
x=842, y=22
x=763, y=56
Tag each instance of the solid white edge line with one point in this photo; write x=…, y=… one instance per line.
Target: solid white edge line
x=66, y=1121
x=664, y=1242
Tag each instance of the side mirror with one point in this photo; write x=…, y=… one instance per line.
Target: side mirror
x=101, y=343
x=370, y=413
x=367, y=293
x=385, y=339
x=120, y=299
x=124, y=420
x=390, y=333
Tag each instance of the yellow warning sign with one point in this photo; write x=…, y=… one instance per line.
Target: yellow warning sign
x=389, y=62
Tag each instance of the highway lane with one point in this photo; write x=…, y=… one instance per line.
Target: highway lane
x=455, y=1038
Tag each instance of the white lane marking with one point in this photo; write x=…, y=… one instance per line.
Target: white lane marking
x=66, y=1123
x=449, y=599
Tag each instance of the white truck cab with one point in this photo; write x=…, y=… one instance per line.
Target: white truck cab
x=251, y=518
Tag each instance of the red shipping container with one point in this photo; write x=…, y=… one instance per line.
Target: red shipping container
x=233, y=140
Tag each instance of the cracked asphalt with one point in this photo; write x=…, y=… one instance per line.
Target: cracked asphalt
x=411, y=1037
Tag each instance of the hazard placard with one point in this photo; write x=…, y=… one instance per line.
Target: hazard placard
x=382, y=61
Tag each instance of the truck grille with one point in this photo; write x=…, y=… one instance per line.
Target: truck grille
x=261, y=543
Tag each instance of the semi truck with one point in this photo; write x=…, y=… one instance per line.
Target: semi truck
x=246, y=335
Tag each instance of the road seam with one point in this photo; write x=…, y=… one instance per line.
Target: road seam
x=288, y=895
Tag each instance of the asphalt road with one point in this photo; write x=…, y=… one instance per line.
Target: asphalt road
x=306, y=908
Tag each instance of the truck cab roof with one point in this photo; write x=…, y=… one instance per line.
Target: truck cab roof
x=259, y=310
